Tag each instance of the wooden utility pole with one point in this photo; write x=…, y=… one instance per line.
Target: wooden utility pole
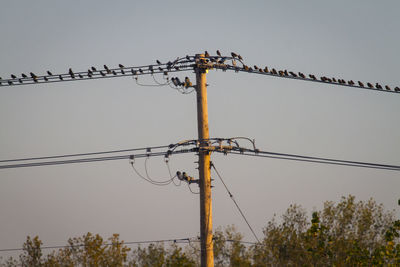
x=207, y=253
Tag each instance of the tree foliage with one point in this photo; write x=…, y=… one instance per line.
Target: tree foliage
x=347, y=233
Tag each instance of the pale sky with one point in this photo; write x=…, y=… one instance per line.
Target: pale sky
x=356, y=40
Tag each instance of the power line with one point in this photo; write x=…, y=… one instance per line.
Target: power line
x=96, y=159
x=274, y=155
x=87, y=154
x=234, y=201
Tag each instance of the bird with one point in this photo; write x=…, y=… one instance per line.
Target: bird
x=23, y=75
x=10, y=82
x=260, y=70
x=218, y=53
x=176, y=67
x=302, y=75
x=174, y=81
x=206, y=54
x=49, y=73
x=140, y=70
x=151, y=68
x=292, y=73
x=93, y=68
x=114, y=72
x=378, y=86
x=105, y=67
x=161, y=69
x=32, y=75
x=387, y=87
x=234, y=55
x=188, y=83
x=133, y=71
x=246, y=68
x=280, y=73
x=45, y=78
x=239, y=57
x=122, y=72
x=20, y=80
x=350, y=82
x=312, y=76
x=89, y=73
x=121, y=66
x=61, y=77
x=158, y=62
x=266, y=69
x=187, y=57
x=397, y=89
x=102, y=73
x=178, y=81
x=370, y=85
x=273, y=71
x=334, y=80
x=13, y=76
x=360, y=84
x=255, y=67
x=71, y=73
x=286, y=73
x=35, y=80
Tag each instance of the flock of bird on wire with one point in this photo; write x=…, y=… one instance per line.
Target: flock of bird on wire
x=217, y=61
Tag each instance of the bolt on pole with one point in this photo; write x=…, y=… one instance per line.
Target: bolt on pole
x=206, y=238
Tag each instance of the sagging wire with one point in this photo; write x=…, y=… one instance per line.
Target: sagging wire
x=148, y=179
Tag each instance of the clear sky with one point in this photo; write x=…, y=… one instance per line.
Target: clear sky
x=356, y=40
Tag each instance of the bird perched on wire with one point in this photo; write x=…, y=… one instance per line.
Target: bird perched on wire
x=206, y=54
x=360, y=84
x=13, y=76
x=33, y=75
x=234, y=55
x=218, y=53
x=93, y=68
x=121, y=66
x=188, y=83
x=49, y=73
x=23, y=75
x=71, y=73
x=158, y=62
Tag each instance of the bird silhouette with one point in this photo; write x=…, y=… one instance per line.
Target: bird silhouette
x=20, y=80
x=312, y=76
x=255, y=67
x=360, y=84
x=61, y=77
x=158, y=62
x=23, y=75
x=370, y=85
x=32, y=75
x=13, y=76
x=140, y=70
x=71, y=73
x=122, y=71
x=102, y=73
x=218, y=53
x=334, y=80
x=121, y=66
x=292, y=73
x=266, y=69
x=49, y=73
x=239, y=57
x=114, y=72
x=89, y=73
x=397, y=89
x=105, y=67
x=302, y=75
x=187, y=57
x=378, y=86
x=151, y=68
x=160, y=69
x=206, y=54
x=94, y=69
x=134, y=72
x=10, y=82
x=45, y=78
x=234, y=55
x=246, y=68
x=188, y=83
x=387, y=87
x=273, y=71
